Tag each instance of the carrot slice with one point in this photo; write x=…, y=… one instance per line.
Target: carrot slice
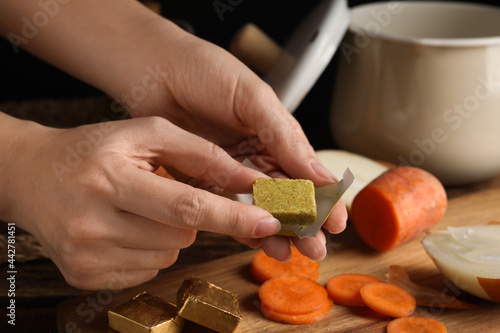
x=388, y=299
x=315, y=276
x=163, y=173
x=344, y=288
x=264, y=267
x=299, y=319
x=415, y=324
x=397, y=206
x=292, y=294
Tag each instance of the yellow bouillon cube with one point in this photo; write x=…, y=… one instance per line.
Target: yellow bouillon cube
x=291, y=201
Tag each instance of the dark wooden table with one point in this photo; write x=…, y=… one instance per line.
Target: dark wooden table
x=40, y=287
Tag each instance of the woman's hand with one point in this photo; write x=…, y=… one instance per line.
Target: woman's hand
x=89, y=195
x=225, y=111
x=205, y=90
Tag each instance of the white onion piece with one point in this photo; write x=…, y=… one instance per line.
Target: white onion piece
x=364, y=169
x=466, y=255
x=486, y=255
x=473, y=236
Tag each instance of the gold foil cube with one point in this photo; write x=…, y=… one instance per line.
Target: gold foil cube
x=208, y=305
x=145, y=314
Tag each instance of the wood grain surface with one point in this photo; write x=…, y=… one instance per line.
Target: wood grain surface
x=346, y=254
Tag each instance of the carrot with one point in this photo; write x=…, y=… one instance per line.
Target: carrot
x=264, y=267
x=344, y=288
x=415, y=324
x=300, y=319
x=162, y=173
x=292, y=294
x=397, y=206
x=388, y=299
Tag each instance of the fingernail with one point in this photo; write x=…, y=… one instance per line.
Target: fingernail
x=336, y=232
x=267, y=226
x=340, y=227
x=324, y=172
x=321, y=238
x=287, y=259
x=323, y=256
x=255, y=243
x=262, y=175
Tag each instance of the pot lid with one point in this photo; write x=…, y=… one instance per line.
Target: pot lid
x=308, y=52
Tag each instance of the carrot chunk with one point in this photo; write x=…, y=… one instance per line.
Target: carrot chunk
x=397, y=206
x=264, y=267
x=292, y=294
x=344, y=288
x=415, y=324
x=388, y=299
x=299, y=319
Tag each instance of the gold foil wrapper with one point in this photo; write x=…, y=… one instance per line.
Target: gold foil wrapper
x=145, y=314
x=208, y=305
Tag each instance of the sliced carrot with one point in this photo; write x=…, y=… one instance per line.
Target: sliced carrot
x=163, y=173
x=315, y=276
x=299, y=319
x=397, y=206
x=344, y=288
x=292, y=294
x=388, y=299
x=264, y=267
x=415, y=324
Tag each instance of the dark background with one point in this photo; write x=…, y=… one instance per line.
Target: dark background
x=24, y=77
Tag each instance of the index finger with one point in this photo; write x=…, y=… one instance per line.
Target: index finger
x=260, y=109
x=166, y=144
x=167, y=201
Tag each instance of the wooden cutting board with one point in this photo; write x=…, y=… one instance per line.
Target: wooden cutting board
x=346, y=254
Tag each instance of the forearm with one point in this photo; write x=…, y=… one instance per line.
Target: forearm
x=96, y=41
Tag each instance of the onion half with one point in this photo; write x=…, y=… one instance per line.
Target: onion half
x=469, y=257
